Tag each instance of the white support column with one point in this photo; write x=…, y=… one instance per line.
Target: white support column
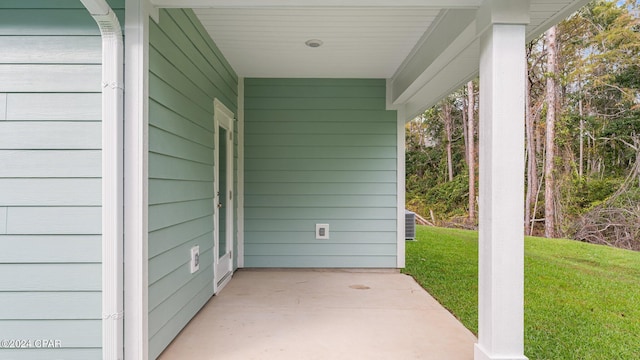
x=240, y=195
x=401, y=116
x=136, y=204
x=400, y=188
x=501, y=243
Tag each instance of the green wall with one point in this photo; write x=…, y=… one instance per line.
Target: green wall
x=50, y=178
x=187, y=72
x=319, y=151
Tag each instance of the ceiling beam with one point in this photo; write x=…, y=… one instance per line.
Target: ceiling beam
x=436, y=4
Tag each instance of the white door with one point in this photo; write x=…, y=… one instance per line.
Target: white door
x=223, y=199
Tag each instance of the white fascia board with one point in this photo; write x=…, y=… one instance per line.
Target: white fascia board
x=451, y=33
x=436, y=4
x=571, y=7
x=451, y=77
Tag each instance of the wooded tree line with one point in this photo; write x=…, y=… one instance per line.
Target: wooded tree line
x=582, y=117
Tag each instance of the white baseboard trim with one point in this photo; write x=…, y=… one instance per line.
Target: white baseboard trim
x=479, y=353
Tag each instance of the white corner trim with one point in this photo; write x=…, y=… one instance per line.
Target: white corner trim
x=240, y=194
x=112, y=178
x=400, y=188
x=136, y=179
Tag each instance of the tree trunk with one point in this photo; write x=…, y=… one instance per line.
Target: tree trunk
x=549, y=181
x=465, y=126
x=532, y=166
x=581, y=161
x=471, y=153
x=446, y=109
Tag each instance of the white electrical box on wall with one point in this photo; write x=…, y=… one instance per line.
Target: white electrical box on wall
x=322, y=231
x=195, y=258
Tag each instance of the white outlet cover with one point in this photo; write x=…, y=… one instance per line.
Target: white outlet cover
x=195, y=258
x=322, y=231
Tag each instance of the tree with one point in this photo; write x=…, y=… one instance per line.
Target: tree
x=549, y=180
x=471, y=152
x=447, y=119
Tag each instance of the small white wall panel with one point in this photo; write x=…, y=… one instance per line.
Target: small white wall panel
x=50, y=277
x=50, y=305
x=3, y=106
x=50, y=78
x=54, y=220
x=59, y=163
x=71, y=333
x=50, y=135
x=51, y=192
x=3, y=220
x=52, y=106
x=50, y=248
x=51, y=49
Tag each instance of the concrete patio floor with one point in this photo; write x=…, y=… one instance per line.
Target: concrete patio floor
x=322, y=314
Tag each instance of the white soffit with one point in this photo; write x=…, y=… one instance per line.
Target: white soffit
x=423, y=47
x=359, y=42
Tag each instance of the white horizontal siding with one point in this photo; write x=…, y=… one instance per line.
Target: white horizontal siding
x=50, y=305
x=51, y=192
x=49, y=249
x=51, y=277
x=53, y=220
x=50, y=163
x=54, y=106
x=51, y=49
x=50, y=186
x=32, y=135
x=50, y=78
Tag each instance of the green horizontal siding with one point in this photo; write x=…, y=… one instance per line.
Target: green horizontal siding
x=297, y=237
x=314, y=261
x=186, y=73
x=319, y=201
x=324, y=115
x=50, y=178
x=326, y=140
x=319, y=151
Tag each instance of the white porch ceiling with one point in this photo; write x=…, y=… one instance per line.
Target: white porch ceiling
x=426, y=48
x=358, y=42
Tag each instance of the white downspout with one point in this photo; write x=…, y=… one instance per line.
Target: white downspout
x=112, y=178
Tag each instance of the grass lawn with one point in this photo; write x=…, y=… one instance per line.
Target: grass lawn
x=582, y=301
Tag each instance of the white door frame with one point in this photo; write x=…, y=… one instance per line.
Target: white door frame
x=223, y=117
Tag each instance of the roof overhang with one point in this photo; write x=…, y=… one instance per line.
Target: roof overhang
x=425, y=49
